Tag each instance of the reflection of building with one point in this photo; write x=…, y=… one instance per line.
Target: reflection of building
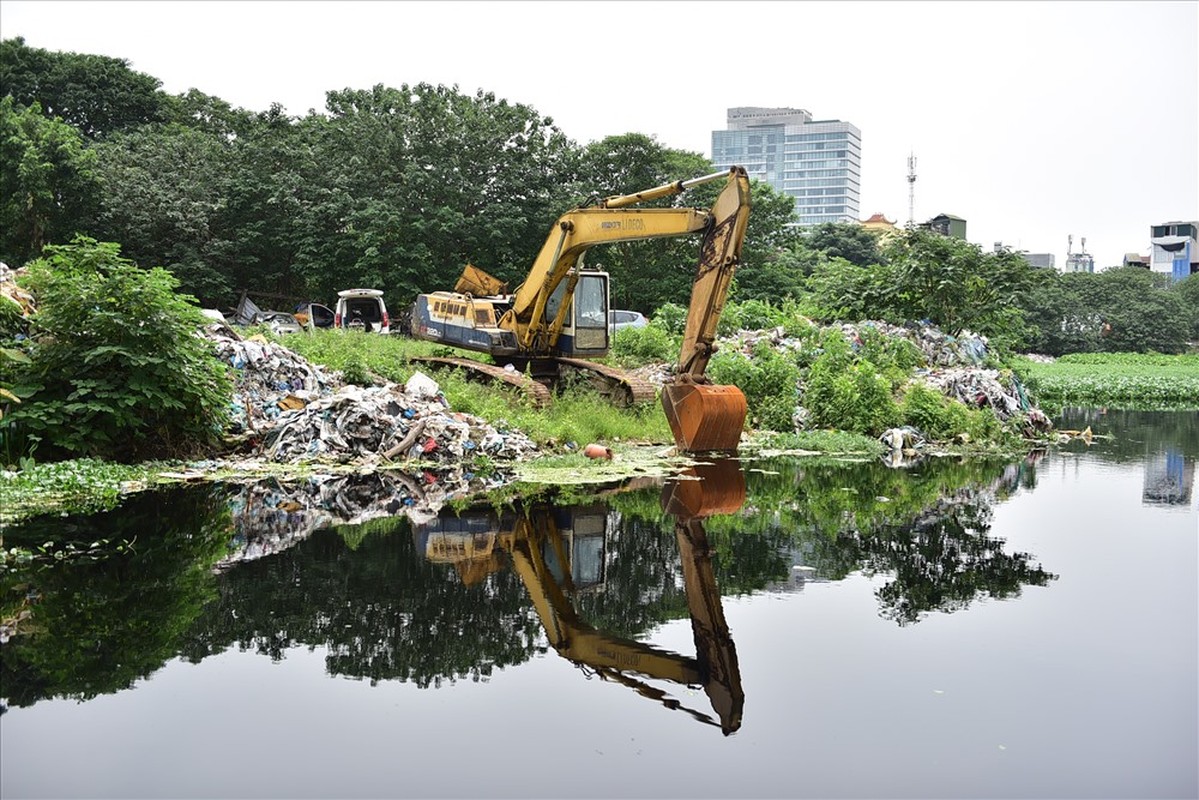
x=1174, y=249
x=802, y=573
x=1169, y=479
x=819, y=163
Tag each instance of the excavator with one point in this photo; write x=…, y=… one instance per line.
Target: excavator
x=557, y=319
x=559, y=553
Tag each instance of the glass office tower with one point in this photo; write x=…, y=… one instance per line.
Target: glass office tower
x=819, y=163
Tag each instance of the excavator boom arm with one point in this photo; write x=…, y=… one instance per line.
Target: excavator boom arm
x=575, y=232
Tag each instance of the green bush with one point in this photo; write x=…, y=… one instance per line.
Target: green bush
x=751, y=315
x=849, y=396
x=941, y=418
x=644, y=345
x=670, y=317
x=117, y=369
x=768, y=380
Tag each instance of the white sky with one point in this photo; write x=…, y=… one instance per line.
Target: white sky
x=1032, y=120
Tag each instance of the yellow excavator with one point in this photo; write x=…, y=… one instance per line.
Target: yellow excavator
x=560, y=552
x=557, y=318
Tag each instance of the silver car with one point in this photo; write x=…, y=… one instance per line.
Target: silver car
x=280, y=322
x=619, y=318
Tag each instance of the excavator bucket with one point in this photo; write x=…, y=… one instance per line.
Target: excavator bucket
x=704, y=418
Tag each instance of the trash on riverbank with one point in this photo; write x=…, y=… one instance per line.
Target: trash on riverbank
x=269, y=379
x=385, y=423
x=298, y=412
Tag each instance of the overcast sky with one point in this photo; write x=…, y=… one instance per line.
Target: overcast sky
x=1031, y=120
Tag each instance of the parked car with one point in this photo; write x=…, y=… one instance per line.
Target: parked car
x=362, y=309
x=280, y=322
x=314, y=315
x=619, y=318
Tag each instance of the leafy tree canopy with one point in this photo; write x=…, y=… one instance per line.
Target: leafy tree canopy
x=48, y=182
x=95, y=94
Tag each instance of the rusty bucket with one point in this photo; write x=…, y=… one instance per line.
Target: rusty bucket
x=704, y=418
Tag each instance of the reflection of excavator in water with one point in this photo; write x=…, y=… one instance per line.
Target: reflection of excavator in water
x=558, y=552
x=558, y=317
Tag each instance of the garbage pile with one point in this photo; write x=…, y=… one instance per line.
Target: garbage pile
x=384, y=423
x=938, y=348
x=301, y=413
x=951, y=364
x=269, y=379
x=270, y=517
x=981, y=388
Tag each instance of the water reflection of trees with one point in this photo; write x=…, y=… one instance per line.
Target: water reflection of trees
x=383, y=611
x=96, y=627
x=926, y=528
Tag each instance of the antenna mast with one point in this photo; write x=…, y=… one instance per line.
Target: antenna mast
x=912, y=190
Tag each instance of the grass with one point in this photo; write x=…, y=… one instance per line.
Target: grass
x=1144, y=381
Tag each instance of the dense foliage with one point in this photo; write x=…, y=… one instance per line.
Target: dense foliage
x=1120, y=380
x=116, y=368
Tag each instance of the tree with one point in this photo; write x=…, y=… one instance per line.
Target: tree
x=1125, y=309
x=166, y=192
x=97, y=95
x=847, y=240
x=956, y=286
x=649, y=273
x=1187, y=290
x=418, y=181
x=48, y=184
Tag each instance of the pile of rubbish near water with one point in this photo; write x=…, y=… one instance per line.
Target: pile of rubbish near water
x=272, y=516
x=293, y=412
x=953, y=365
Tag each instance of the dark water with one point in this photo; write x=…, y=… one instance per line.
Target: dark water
x=832, y=629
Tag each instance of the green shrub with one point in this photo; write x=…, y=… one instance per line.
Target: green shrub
x=849, y=396
x=670, y=317
x=750, y=315
x=117, y=367
x=644, y=345
x=942, y=418
x=768, y=380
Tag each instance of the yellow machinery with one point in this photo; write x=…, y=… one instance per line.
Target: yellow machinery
x=558, y=317
x=559, y=552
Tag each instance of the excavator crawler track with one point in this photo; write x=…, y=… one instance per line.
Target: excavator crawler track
x=536, y=392
x=624, y=389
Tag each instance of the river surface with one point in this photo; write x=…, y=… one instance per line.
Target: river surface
x=780, y=628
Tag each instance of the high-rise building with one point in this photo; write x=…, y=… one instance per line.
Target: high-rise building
x=819, y=163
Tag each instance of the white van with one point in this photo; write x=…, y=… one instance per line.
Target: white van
x=363, y=310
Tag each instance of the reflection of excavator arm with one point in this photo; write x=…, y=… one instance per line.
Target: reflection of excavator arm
x=533, y=540
x=714, y=666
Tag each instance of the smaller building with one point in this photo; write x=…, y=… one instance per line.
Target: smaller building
x=1038, y=260
x=1174, y=249
x=947, y=225
x=1135, y=260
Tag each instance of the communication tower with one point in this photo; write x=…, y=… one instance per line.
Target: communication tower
x=912, y=190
